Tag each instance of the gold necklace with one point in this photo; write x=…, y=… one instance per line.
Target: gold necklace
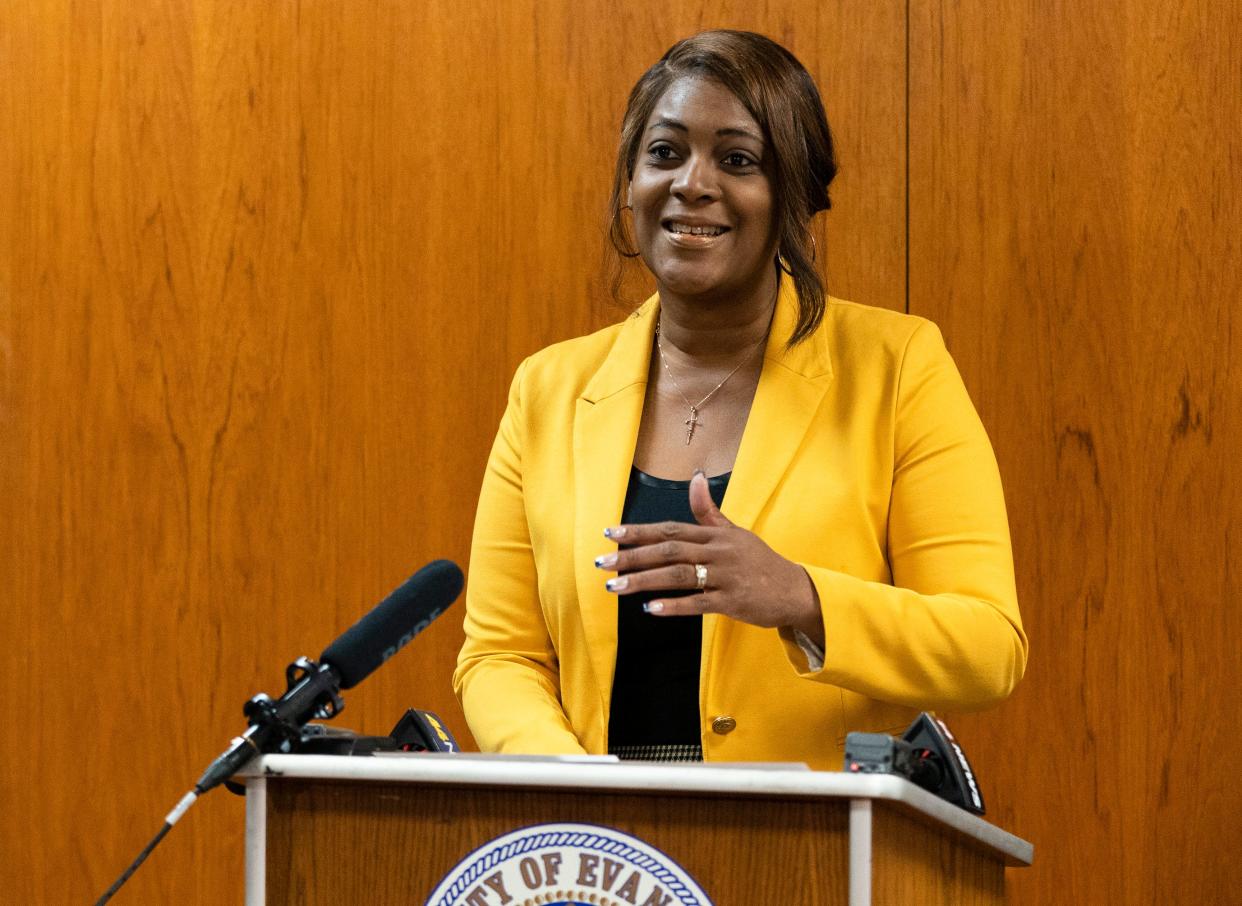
x=693, y=421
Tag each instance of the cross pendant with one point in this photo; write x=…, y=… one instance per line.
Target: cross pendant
x=691, y=423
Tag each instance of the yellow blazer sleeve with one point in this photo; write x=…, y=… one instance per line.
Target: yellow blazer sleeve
x=507, y=675
x=946, y=633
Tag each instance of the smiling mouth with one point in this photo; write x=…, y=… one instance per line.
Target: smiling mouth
x=689, y=229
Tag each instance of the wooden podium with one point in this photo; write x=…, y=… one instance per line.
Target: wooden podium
x=391, y=829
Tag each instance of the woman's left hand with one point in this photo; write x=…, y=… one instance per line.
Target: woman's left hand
x=743, y=577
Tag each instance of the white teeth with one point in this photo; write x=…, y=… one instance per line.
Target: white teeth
x=695, y=230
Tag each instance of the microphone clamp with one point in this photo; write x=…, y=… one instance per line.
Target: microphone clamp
x=312, y=692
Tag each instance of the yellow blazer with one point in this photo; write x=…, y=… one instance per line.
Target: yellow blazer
x=862, y=459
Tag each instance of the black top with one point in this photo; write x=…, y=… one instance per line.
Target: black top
x=655, y=687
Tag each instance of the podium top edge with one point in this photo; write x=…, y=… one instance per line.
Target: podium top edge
x=785, y=780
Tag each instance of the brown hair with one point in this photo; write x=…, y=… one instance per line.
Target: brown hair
x=781, y=95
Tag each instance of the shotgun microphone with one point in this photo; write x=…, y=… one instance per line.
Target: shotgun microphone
x=394, y=622
x=313, y=689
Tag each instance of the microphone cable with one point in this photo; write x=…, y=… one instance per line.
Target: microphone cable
x=173, y=817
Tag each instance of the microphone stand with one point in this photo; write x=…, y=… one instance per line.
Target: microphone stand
x=312, y=692
x=313, y=689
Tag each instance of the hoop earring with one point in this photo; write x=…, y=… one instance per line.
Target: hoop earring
x=814, y=248
x=619, y=238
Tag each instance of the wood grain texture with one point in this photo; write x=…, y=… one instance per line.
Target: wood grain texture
x=1075, y=209
x=332, y=842
x=348, y=843
x=265, y=272
x=915, y=863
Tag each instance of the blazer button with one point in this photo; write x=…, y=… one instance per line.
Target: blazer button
x=724, y=725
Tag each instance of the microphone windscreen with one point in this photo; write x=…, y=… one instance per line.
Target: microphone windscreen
x=393, y=622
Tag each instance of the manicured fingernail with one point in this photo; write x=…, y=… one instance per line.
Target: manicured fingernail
x=617, y=532
x=653, y=607
x=617, y=584
x=606, y=561
x=699, y=472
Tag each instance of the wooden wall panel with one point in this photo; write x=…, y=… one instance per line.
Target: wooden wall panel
x=265, y=272
x=1075, y=208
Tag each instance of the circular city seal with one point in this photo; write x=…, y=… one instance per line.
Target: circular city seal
x=567, y=865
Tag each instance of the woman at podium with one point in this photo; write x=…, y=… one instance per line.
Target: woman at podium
x=750, y=518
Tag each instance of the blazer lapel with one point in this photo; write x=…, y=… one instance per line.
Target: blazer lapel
x=791, y=386
x=605, y=435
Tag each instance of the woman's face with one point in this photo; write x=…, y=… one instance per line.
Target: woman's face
x=701, y=194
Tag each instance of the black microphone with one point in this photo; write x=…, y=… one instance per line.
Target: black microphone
x=313, y=688
x=394, y=622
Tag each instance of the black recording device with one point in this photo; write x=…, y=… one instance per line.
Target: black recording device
x=416, y=731
x=926, y=755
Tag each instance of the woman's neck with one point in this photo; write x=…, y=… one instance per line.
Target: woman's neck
x=718, y=330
